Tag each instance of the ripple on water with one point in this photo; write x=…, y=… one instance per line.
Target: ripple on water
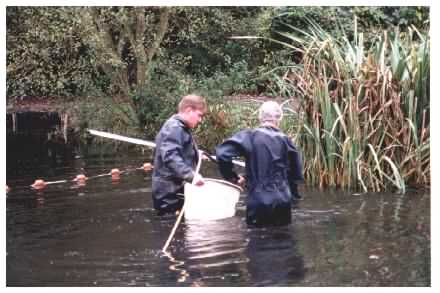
x=215, y=244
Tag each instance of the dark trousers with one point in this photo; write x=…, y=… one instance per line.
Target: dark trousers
x=263, y=215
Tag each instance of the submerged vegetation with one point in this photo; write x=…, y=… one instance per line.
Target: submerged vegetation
x=354, y=83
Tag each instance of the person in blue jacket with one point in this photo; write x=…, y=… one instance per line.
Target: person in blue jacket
x=273, y=168
x=176, y=155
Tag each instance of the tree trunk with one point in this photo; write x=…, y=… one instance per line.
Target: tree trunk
x=133, y=30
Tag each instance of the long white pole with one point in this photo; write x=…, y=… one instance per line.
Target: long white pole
x=122, y=138
x=141, y=142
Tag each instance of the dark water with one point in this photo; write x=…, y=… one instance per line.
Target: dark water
x=107, y=234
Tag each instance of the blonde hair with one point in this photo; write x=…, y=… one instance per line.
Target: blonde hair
x=192, y=101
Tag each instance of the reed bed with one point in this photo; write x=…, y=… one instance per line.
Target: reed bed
x=363, y=114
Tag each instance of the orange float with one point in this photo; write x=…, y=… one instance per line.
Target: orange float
x=147, y=167
x=81, y=179
x=115, y=174
x=39, y=184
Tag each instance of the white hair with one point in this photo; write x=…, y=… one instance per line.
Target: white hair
x=270, y=111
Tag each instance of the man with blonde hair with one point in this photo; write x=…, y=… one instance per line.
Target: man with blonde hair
x=273, y=168
x=176, y=155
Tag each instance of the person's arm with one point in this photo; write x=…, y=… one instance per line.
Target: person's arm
x=171, y=151
x=227, y=151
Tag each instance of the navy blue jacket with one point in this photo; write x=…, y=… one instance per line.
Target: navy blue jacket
x=273, y=170
x=175, y=158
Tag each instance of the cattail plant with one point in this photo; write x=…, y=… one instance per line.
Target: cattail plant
x=363, y=117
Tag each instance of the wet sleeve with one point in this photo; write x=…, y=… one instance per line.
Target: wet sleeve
x=172, y=150
x=232, y=147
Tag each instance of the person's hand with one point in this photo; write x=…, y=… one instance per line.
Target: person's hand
x=198, y=180
x=204, y=157
x=241, y=180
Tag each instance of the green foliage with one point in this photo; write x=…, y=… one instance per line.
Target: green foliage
x=83, y=51
x=154, y=110
x=45, y=56
x=159, y=100
x=199, y=40
x=224, y=118
x=238, y=79
x=104, y=114
x=79, y=51
x=333, y=19
x=125, y=41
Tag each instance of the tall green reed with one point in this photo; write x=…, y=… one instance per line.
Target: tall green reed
x=364, y=119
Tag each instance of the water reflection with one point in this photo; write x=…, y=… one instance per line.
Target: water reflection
x=228, y=253
x=39, y=198
x=274, y=259
x=372, y=241
x=102, y=234
x=177, y=266
x=215, y=251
